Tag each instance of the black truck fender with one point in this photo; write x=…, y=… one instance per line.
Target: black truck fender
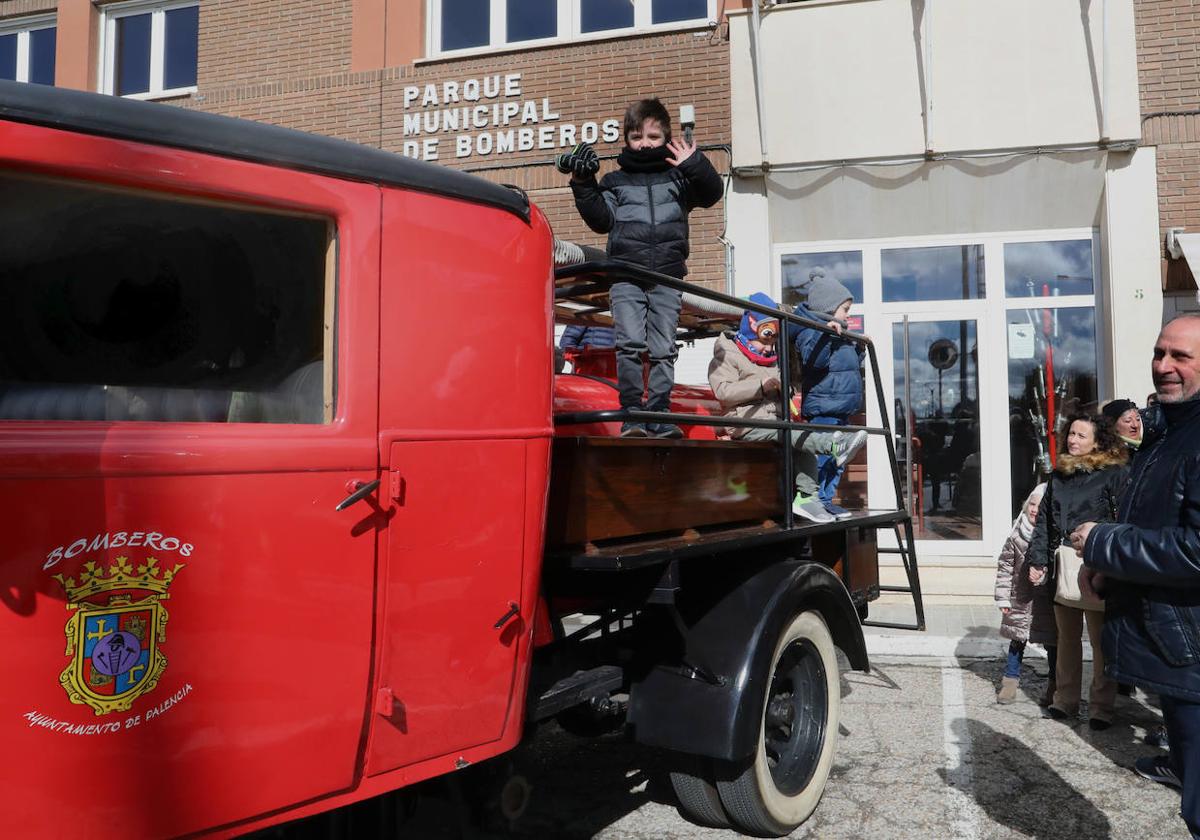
x=715, y=710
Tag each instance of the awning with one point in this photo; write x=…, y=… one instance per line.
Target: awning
x=1185, y=246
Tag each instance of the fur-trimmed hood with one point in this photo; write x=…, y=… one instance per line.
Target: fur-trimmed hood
x=1093, y=461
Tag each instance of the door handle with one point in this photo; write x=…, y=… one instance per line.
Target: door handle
x=361, y=491
x=513, y=612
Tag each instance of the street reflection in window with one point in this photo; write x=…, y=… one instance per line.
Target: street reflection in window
x=941, y=426
x=1043, y=269
x=945, y=272
x=799, y=269
x=1051, y=375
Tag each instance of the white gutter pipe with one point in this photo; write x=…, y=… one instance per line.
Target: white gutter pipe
x=756, y=64
x=927, y=39
x=1104, y=123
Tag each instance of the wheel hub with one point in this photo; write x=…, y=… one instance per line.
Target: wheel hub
x=795, y=719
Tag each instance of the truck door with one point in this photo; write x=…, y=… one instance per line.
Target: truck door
x=465, y=369
x=187, y=392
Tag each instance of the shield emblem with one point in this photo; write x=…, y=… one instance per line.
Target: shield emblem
x=113, y=635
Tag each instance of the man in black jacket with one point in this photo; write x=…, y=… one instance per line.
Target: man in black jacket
x=643, y=207
x=1148, y=564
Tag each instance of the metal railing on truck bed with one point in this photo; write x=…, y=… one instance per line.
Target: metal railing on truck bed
x=581, y=297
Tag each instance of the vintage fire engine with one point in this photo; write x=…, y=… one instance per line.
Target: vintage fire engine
x=297, y=512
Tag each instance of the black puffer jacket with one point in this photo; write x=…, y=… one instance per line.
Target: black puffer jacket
x=647, y=212
x=1083, y=488
x=1151, y=559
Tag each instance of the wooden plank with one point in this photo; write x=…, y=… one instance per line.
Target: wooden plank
x=854, y=556
x=608, y=488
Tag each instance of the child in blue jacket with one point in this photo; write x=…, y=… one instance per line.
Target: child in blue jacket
x=831, y=373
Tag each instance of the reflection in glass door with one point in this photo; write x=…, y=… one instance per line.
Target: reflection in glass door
x=936, y=378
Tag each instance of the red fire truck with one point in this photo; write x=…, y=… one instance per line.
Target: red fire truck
x=297, y=512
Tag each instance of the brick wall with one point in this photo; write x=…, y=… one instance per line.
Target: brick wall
x=21, y=8
x=1168, y=42
x=248, y=41
x=303, y=82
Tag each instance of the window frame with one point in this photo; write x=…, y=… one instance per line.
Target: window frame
x=569, y=15
x=157, y=9
x=22, y=27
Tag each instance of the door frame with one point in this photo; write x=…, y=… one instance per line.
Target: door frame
x=991, y=490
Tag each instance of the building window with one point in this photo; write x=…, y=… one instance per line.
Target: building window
x=27, y=50
x=134, y=306
x=457, y=25
x=799, y=270
x=947, y=272
x=1052, y=365
x=150, y=49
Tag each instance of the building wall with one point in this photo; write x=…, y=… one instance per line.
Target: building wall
x=578, y=84
x=1168, y=43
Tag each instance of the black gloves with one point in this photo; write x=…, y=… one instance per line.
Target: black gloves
x=581, y=161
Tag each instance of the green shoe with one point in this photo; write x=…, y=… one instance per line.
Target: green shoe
x=810, y=508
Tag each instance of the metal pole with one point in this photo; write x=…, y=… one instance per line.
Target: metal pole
x=909, y=419
x=783, y=350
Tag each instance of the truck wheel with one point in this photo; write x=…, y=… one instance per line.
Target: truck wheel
x=698, y=798
x=783, y=783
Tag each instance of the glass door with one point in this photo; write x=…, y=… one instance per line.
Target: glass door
x=935, y=379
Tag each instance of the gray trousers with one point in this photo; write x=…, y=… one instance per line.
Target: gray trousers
x=645, y=320
x=808, y=446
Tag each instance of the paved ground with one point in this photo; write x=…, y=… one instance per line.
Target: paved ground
x=925, y=753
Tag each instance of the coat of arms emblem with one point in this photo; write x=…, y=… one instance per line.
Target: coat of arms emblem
x=114, y=634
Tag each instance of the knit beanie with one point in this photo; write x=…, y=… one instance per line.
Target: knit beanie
x=825, y=295
x=1115, y=408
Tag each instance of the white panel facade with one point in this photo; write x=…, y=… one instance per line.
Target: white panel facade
x=871, y=78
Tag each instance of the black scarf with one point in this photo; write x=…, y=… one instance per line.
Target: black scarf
x=644, y=160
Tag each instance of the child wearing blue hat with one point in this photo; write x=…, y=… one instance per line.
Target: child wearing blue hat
x=744, y=375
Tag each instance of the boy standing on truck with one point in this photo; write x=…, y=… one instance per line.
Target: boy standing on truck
x=744, y=375
x=643, y=207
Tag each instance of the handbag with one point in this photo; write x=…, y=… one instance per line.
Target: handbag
x=1068, y=563
x=1066, y=584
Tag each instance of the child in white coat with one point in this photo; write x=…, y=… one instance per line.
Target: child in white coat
x=1027, y=613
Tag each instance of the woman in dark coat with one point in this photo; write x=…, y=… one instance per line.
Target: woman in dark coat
x=1084, y=487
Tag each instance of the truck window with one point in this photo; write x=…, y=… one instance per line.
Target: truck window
x=122, y=305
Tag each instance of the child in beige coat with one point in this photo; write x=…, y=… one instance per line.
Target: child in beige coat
x=1026, y=609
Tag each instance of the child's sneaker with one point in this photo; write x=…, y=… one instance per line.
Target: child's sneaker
x=634, y=430
x=837, y=511
x=847, y=447
x=668, y=431
x=1157, y=768
x=810, y=508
